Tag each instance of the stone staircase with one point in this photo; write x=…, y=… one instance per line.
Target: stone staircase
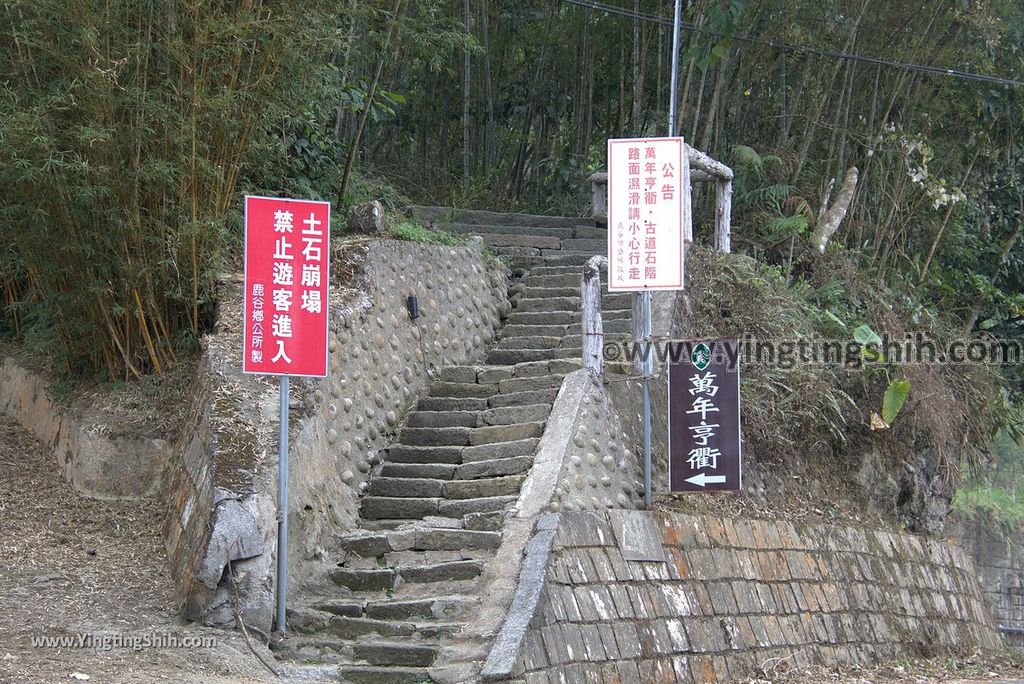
x=431, y=517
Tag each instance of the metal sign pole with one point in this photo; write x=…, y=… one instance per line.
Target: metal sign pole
x=282, y=510
x=645, y=297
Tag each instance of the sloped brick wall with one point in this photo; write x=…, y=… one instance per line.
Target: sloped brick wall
x=737, y=595
x=1000, y=562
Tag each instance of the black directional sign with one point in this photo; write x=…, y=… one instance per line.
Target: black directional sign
x=704, y=418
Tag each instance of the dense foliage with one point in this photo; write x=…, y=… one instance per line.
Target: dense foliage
x=125, y=129
x=123, y=151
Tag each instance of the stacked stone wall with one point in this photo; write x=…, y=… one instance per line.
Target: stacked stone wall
x=733, y=597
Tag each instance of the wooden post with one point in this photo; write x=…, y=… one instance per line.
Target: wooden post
x=593, y=326
x=723, y=216
x=599, y=196
x=687, y=187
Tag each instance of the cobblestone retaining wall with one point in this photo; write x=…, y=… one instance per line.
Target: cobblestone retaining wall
x=735, y=595
x=223, y=483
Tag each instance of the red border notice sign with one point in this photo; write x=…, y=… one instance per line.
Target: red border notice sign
x=287, y=264
x=645, y=214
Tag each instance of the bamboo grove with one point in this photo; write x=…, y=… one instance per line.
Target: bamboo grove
x=123, y=154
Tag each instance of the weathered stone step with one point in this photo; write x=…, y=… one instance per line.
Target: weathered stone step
x=380, y=507
x=496, y=467
x=544, y=318
x=409, y=487
x=597, y=246
x=439, y=388
x=551, y=267
x=440, y=539
x=536, y=292
x=524, y=398
x=519, y=342
x=574, y=279
x=395, y=653
x=437, y=608
x=443, y=419
x=570, y=256
x=486, y=452
x=436, y=471
x=494, y=218
x=451, y=404
x=484, y=488
x=514, y=356
x=529, y=384
x=546, y=231
x=591, y=233
x=375, y=674
x=404, y=453
x=535, y=330
x=460, y=507
x=509, y=415
x=488, y=522
x=482, y=375
x=531, y=369
x=364, y=579
x=541, y=242
x=571, y=303
x=449, y=436
x=505, y=433
x=448, y=571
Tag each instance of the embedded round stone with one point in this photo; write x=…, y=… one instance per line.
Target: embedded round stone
x=346, y=403
x=346, y=449
x=347, y=476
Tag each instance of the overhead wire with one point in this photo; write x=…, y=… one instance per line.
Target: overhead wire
x=785, y=47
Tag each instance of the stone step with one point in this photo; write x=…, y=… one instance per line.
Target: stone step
x=435, y=214
x=439, y=388
x=450, y=436
x=437, y=608
x=597, y=246
x=369, y=579
x=460, y=507
x=436, y=471
x=443, y=419
x=564, y=232
x=591, y=233
x=505, y=433
x=541, y=242
x=552, y=267
x=404, y=453
x=484, y=488
x=518, y=342
x=342, y=607
x=448, y=571
x=488, y=522
x=496, y=467
x=486, y=452
x=536, y=292
x=509, y=415
x=380, y=507
x=406, y=487
x=514, y=356
x=451, y=404
x=544, y=318
x=374, y=674
x=570, y=257
x=524, y=398
x=529, y=384
x=549, y=304
x=440, y=539
x=555, y=280
x=396, y=653
x=535, y=330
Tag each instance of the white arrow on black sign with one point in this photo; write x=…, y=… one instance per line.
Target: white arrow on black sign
x=701, y=479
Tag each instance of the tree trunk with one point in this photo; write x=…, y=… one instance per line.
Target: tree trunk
x=828, y=222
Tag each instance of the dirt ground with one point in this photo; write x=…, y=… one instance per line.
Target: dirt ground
x=965, y=668
x=71, y=565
